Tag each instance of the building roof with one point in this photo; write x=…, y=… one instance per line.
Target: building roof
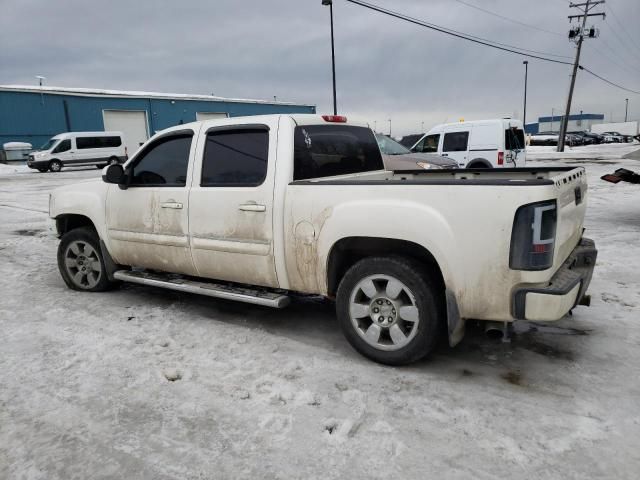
x=99, y=92
x=579, y=116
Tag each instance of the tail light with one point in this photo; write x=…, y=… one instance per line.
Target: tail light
x=334, y=118
x=533, y=236
x=500, y=158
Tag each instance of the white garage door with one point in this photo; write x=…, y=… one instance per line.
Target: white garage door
x=210, y=115
x=132, y=124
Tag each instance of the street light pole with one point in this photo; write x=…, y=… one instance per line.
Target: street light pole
x=333, y=56
x=389, y=127
x=524, y=114
x=626, y=108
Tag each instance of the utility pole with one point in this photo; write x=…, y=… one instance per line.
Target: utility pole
x=333, y=56
x=389, y=127
x=524, y=113
x=626, y=109
x=577, y=34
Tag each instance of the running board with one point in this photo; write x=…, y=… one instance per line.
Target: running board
x=210, y=289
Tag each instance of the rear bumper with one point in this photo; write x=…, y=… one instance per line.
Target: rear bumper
x=566, y=288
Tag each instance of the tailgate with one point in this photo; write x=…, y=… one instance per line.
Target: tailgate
x=571, y=195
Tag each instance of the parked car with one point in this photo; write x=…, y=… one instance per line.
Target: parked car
x=588, y=138
x=397, y=157
x=613, y=137
x=257, y=208
x=544, y=139
x=551, y=139
x=78, y=149
x=477, y=144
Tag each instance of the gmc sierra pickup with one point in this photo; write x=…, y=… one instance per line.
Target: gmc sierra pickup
x=257, y=208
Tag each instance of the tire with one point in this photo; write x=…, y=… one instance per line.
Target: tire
x=79, y=249
x=477, y=165
x=55, y=165
x=379, y=286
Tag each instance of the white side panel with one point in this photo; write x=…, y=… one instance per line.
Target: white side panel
x=132, y=124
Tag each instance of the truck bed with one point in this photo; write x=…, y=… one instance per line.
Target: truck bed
x=501, y=176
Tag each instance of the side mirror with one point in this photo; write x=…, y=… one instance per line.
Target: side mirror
x=113, y=174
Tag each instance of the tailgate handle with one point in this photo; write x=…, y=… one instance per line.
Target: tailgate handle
x=252, y=207
x=171, y=204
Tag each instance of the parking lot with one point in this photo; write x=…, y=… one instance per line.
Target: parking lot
x=146, y=383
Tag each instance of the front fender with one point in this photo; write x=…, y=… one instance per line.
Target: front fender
x=86, y=199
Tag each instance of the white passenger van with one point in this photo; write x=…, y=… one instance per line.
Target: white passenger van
x=494, y=143
x=76, y=149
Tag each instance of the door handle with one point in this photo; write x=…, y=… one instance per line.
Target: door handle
x=170, y=204
x=252, y=207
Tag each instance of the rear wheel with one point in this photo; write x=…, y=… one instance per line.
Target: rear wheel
x=388, y=310
x=80, y=261
x=55, y=165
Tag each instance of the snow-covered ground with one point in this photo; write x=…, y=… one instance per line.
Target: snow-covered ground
x=260, y=393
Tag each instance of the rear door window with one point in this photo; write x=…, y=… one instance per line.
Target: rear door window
x=514, y=139
x=455, y=142
x=330, y=150
x=235, y=158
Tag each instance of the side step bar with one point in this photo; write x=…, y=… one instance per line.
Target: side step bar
x=210, y=289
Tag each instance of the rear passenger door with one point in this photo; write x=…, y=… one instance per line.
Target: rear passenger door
x=231, y=203
x=455, y=145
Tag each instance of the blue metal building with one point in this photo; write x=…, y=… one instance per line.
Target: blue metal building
x=577, y=122
x=35, y=114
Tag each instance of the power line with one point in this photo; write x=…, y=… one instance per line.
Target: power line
x=615, y=17
x=510, y=19
x=470, y=38
x=617, y=63
x=489, y=43
x=621, y=41
x=609, y=81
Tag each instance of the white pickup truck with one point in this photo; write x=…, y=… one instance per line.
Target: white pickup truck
x=259, y=208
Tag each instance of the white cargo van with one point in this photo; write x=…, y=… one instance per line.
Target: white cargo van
x=494, y=143
x=78, y=149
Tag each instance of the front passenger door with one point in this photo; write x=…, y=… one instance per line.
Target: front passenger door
x=148, y=221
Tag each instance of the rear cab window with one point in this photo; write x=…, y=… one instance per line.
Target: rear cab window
x=332, y=150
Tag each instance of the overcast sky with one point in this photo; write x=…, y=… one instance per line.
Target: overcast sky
x=386, y=68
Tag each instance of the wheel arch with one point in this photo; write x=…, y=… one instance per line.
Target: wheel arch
x=349, y=250
x=69, y=221
x=479, y=163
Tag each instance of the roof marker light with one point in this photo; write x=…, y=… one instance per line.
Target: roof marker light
x=334, y=118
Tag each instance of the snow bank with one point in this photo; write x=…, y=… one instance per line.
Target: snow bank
x=10, y=169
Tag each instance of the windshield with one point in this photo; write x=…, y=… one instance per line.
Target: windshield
x=389, y=146
x=49, y=144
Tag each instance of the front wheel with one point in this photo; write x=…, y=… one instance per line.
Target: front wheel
x=55, y=165
x=80, y=261
x=388, y=310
